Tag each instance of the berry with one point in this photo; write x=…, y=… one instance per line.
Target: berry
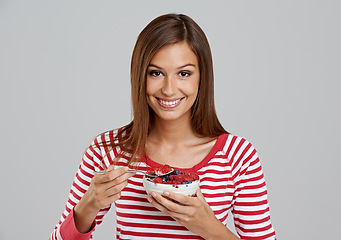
x=162, y=170
x=158, y=180
x=175, y=178
x=180, y=178
x=194, y=176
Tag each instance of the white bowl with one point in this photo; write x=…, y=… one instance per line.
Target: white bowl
x=188, y=189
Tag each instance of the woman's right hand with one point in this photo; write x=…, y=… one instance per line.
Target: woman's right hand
x=104, y=189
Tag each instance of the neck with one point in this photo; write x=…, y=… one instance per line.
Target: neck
x=172, y=132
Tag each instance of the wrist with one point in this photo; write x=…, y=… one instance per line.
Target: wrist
x=84, y=215
x=218, y=231
x=68, y=229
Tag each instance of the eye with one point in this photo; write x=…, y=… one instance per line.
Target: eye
x=184, y=74
x=155, y=73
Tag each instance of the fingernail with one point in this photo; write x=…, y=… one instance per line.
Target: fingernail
x=153, y=194
x=166, y=193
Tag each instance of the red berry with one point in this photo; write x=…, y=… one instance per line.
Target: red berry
x=180, y=178
x=194, y=176
x=165, y=169
x=158, y=180
x=187, y=178
x=177, y=182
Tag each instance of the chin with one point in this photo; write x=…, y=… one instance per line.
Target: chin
x=173, y=117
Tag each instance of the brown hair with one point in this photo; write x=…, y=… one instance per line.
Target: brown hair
x=164, y=30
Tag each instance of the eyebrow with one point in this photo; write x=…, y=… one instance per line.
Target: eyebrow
x=186, y=65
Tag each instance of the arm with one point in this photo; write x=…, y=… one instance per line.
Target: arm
x=73, y=223
x=250, y=205
x=80, y=185
x=103, y=191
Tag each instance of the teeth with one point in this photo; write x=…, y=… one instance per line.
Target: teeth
x=169, y=103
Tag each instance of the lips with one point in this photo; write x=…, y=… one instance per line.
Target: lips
x=169, y=103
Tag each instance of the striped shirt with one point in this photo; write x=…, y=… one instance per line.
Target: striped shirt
x=231, y=180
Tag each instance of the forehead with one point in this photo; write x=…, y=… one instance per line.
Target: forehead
x=174, y=55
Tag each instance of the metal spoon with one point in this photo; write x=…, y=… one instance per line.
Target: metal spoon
x=151, y=174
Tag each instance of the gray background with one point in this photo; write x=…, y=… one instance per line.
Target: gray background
x=64, y=70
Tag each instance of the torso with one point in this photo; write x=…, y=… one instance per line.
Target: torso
x=221, y=182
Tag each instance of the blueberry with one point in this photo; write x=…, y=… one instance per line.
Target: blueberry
x=176, y=172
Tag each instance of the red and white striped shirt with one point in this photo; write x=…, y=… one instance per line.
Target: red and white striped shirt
x=231, y=179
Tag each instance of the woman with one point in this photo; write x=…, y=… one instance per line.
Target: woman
x=174, y=123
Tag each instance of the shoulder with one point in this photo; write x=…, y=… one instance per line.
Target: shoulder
x=106, y=136
x=103, y=150
x=232, y=144
x=238, y=150
x=109, y=137
x=105, y=141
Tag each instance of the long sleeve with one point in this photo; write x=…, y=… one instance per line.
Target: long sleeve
x=250, y=205
x=65, y=229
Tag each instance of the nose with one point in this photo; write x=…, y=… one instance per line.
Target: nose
x=168, y=88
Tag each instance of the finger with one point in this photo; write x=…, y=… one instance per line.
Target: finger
x=182, y=199
x=115, y=173
x=111, y=175
x=122, y=178
x=185, y=206
x=175, y=215
x=115, y=197
x=109, y=200
x=110, y=168
x=156, y=204
x=168, y=204
x=155, y=199
x=116, y=189
x=117, y=181
x=201, y=196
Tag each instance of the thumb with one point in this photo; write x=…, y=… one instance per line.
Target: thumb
x=200, y=195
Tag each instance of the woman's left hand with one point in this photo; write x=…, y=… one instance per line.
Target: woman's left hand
x=193, y=212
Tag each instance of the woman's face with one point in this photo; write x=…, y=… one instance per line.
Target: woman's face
x=173, y=77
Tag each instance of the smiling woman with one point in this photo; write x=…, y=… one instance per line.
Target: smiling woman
x=174, y=123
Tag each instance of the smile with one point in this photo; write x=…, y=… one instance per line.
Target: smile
x=169, y=104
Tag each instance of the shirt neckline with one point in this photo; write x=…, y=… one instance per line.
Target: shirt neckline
x=216, y=147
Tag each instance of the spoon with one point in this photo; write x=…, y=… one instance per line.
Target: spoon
x=151, y=174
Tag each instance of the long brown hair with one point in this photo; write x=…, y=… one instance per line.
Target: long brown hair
x=164, y=30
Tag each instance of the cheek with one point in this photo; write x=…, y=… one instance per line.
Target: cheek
x=193, y=88
x=151, y=87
